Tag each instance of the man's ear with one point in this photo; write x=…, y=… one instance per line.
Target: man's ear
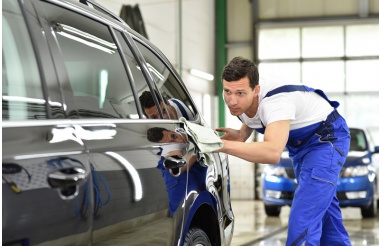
x=256, y=90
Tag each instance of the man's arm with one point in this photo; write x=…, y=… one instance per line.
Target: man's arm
x=269, y=151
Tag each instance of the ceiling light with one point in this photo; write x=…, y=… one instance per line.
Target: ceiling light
x=202, y=75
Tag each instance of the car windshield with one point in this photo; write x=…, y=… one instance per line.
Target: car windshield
x=358, y=140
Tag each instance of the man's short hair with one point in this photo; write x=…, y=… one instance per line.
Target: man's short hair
x=239, y=68
x=146, y=99
x=155, y=134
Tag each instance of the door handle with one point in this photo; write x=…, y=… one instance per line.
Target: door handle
x=65, y=177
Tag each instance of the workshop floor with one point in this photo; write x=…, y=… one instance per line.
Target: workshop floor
x=253, y=227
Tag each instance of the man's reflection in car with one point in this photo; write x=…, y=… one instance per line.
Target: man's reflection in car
x=171, y=108
x=175, y=180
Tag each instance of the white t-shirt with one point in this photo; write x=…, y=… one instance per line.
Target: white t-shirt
x=301, y=108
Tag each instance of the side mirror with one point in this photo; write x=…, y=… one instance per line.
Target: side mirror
x=376, y=150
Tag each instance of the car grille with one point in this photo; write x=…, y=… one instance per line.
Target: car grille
x=287, y=195
x=341, y=196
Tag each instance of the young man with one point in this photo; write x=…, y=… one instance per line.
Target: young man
x=317, y=137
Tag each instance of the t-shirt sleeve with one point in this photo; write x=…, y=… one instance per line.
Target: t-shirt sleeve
x=276, y=108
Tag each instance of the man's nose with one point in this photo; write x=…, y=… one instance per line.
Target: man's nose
x=232, y=100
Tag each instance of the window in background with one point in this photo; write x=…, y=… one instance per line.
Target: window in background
x=322, y=41
x=326, y=75
x=342, y=60
x=279, y=43
x=362, y=40
x=362, y=76
x=288, y=72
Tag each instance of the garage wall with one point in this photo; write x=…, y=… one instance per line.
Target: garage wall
x=190, y=45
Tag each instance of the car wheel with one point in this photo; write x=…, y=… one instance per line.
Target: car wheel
x=196, y=237
x=369, y=211
x=272, y=210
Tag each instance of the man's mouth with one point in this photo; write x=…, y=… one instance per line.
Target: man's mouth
x=234, y=110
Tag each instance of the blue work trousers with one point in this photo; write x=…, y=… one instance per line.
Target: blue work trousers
x=318, y=153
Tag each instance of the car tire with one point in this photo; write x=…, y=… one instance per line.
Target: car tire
x=369, y=211
x=272, y=210
x=196, y=236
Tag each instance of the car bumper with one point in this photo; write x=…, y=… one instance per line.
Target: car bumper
x=278, y=190
x=355, y=191
x=351, y=192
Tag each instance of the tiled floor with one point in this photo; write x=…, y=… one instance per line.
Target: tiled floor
x=253, y=227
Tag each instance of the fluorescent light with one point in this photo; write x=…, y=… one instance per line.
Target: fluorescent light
x=103, y=82
x=202, y=75
x=85, y=38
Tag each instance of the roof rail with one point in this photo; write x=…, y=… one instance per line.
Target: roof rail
x=100, y=8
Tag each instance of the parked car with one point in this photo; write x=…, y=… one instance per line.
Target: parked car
x=77, y=166
x=357, y=184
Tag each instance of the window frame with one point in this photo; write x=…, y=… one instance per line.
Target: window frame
x=152, y=85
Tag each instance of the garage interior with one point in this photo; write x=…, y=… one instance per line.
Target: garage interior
x=330, y=45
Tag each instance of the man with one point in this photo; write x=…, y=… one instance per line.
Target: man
x=171, y=109
x=317, y=137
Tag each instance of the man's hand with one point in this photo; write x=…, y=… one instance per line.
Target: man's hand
x=230, y=134
x=235, y=135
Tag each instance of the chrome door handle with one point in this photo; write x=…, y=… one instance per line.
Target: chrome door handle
x=65, y=177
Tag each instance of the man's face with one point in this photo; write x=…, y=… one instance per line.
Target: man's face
x=172, y=137
x=240, y=97
x=152, y=112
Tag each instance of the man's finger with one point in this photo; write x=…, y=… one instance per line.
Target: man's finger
x=221, y=129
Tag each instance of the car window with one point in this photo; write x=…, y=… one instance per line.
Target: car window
x=96, y=72
x=22, y=96
x=358, y=140
x=169, y=88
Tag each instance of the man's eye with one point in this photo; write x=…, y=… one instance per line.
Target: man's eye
x=174, y=136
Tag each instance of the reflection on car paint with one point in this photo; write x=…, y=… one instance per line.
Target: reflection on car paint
x=138, y=192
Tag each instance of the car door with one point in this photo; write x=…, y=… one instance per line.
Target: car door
x=44, y=165
x=130, y=198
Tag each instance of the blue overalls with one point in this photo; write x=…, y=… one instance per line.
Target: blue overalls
x=318, y=152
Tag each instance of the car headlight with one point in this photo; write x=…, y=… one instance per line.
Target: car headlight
x=355, y=171
x=274, y=171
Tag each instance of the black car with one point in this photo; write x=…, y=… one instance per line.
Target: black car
x=77, y=165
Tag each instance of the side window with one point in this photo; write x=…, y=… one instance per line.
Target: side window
x=176, y=101
x=22, y=97
x=96, y=73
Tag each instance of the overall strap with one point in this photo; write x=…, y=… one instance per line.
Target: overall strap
x=181, y=108
x=291, y=88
